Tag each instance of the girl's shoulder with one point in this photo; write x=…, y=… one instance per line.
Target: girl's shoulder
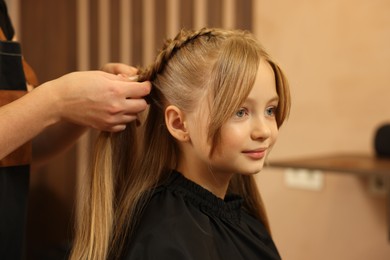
x=169, y=227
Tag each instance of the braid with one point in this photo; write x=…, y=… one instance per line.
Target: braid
x=170, y=47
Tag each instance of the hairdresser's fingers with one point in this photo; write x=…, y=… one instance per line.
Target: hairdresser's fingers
x=138, y=89
x=116, y=128
x=134, y=106
x=119, y=68
x=129, y=87
x=122, y=121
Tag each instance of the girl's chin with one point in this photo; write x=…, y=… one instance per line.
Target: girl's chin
x=253, y=172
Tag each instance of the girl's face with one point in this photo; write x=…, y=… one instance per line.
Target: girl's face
x=246, y=138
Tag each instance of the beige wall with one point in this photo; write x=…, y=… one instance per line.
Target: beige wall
x=337, y=56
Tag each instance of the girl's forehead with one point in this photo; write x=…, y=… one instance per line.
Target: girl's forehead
x=264, y=89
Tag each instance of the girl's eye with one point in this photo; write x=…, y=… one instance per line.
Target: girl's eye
x=241, y=113
x=271, y=111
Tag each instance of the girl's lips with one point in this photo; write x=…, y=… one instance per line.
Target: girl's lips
x=255, y=154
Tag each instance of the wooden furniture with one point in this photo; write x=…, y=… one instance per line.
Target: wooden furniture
x=357, y=164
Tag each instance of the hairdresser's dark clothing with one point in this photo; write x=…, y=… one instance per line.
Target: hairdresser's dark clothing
x=184, y=221
x=5, y=22
x=14, y=174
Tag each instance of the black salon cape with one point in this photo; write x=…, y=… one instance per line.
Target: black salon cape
x=184, y=221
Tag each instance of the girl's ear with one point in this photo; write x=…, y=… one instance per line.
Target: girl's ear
x=176, y=124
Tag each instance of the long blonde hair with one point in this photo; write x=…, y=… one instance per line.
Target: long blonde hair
x=128, y=165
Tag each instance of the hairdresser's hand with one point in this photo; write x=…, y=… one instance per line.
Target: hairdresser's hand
x=119, y=68
x=97, y=99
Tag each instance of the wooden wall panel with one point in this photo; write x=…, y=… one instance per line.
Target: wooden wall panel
x=48, y=33
x=186, y=14
x=66, y=35
x=136, y=37
x=48, y=36
x=160, y=24
x=214, y=13
x=93, y=43
x=244, y=18
x=114, y=30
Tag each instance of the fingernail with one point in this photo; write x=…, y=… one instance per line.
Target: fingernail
x=134, y=78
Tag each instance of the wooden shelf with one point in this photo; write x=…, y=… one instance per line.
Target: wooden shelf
x=358, y=164
x=366, y=165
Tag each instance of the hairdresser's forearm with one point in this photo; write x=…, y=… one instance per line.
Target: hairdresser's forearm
x=23, y=119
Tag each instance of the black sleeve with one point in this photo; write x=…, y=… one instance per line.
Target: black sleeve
x=168, y=230
x=5, y=22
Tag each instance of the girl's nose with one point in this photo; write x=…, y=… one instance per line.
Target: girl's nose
x=261, y=129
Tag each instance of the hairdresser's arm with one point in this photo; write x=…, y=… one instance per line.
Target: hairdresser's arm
x=66, y=106
x=107, y=102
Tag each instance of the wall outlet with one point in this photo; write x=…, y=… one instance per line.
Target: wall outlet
x=304, y=179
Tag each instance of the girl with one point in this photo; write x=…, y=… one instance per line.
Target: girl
x=185, y=188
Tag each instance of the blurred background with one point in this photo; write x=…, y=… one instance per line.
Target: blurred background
x=337, y=57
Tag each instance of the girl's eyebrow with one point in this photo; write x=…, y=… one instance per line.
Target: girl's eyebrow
x=275, y=98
